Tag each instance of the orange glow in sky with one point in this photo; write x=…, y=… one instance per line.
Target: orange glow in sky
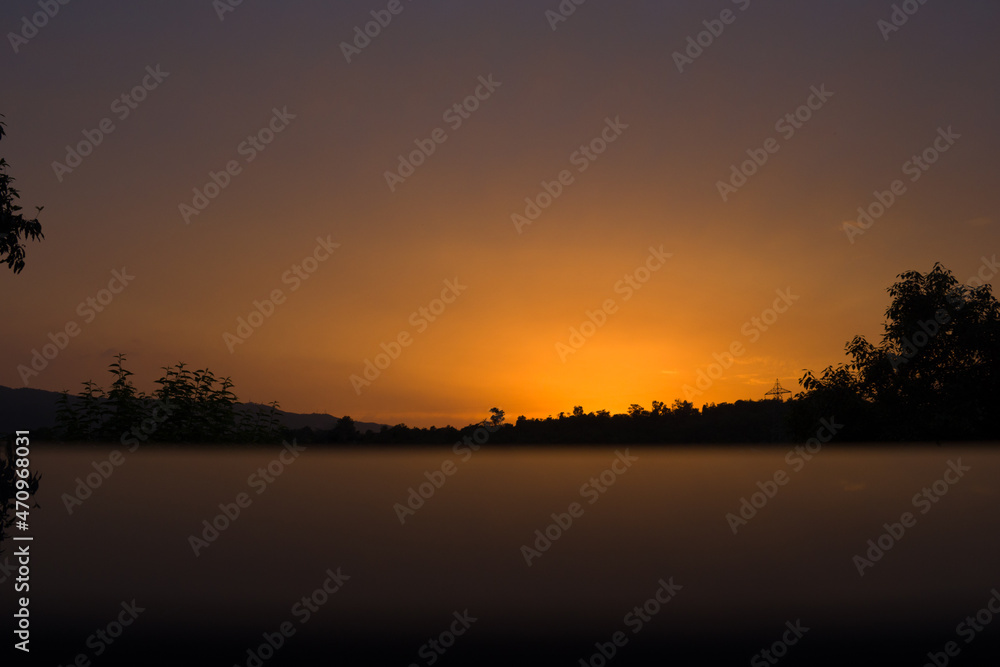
x=476, y=210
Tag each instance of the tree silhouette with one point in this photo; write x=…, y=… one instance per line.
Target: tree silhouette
x=496, y=417
x=684, y=408
x=936, y=371
x=13, y=225
x=345, y=430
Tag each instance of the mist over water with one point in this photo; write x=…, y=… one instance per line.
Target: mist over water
x=627, y=521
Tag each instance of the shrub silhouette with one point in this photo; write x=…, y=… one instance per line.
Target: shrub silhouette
x=189, y=406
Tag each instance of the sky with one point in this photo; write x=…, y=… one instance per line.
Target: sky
x=528, y=205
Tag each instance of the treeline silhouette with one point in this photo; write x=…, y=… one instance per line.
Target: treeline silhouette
x=935, y=375
x=197, y=407
x=743, y=421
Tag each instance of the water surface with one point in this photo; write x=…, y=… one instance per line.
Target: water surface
x=663, y=518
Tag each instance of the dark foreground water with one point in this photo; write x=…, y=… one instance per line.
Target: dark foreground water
x=648, y=571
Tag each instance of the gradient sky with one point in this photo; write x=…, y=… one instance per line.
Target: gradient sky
x=323, y=176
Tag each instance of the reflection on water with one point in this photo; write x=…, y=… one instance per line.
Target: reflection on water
x=402, y=543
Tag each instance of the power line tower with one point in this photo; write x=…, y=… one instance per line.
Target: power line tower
x=776, y=391
x=778, y=411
